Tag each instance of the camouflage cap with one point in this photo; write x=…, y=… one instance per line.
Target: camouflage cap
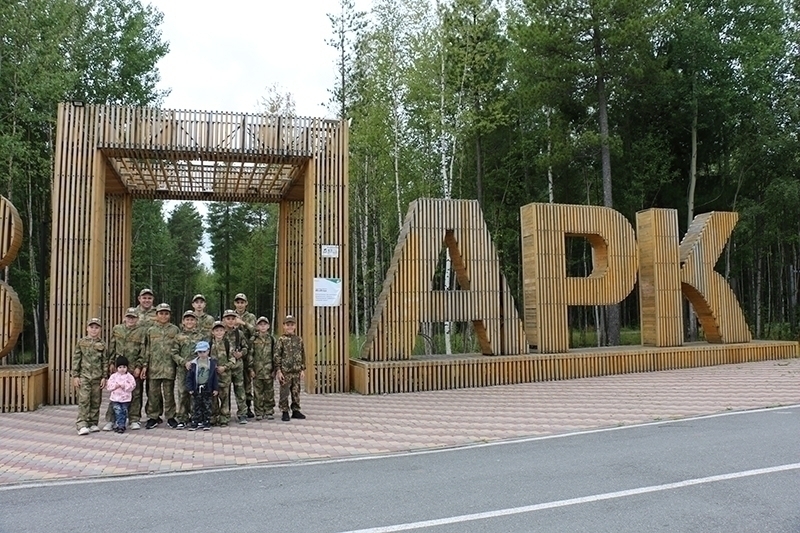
x=289, y=320
x=131, y=311
x=189, y=313
x=218, y=324
x=163, y=307
x=95, y=321
x=146, y=291
x=262, y=319
x=240, y=296
x=229, y=312
x=199, y=297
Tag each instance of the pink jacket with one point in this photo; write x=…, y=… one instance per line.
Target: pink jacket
x=128, y=384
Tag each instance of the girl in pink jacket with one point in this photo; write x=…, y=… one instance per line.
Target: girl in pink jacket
x=121, y=384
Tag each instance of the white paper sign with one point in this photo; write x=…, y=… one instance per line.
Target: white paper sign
x=327, y=292
x=330, y=250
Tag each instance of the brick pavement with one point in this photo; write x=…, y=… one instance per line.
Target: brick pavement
x=43, y=445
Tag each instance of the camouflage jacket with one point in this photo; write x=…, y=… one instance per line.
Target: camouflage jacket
x=187, y=340
x=289, y=354
x=263, y=348
x=250, y=321
x=162, y=351
x=146, y=318
x=89, y=360
x=221, y=351
x=204, y=325
x=128, y=342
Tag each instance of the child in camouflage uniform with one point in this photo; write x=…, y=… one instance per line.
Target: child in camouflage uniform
x=261, y=372
x=188, y=338
x=226, y=364
x=246, y=322
x=127, y=340
x=162, y=354
x=204, y=321
x=290, y=365
x=89, y=373
x=237, y=341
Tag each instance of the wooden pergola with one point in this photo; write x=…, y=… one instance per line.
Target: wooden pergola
x=108, y=155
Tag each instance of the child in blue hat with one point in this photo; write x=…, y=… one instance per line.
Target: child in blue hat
x=202, y=384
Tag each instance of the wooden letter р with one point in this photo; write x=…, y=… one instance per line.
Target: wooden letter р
x=666, y=271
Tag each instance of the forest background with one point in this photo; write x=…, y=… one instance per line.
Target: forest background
x=631, y=104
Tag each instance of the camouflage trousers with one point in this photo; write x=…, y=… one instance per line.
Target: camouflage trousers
x=184, y=407
x=89, y=397
x=264, y=396
x=238, y=380
x=160, y=398
x=135, y=409
x=291, y=385
x=221, y=404
x=248, y=385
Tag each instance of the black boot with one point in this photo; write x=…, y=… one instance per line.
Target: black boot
x=297, y=414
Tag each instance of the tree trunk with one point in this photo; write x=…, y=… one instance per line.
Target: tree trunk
x=691, y=316
x=479, y=168
x=34, y=278
x=612, y=311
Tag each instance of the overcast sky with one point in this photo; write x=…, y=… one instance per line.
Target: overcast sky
x=225, y=53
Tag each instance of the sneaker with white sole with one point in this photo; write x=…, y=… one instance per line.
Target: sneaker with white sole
x=109, y=426
x=83, y=431
x=136, y=425
x=93, y=429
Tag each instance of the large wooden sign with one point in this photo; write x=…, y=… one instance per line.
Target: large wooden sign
x=10, y=306
x=667, y=269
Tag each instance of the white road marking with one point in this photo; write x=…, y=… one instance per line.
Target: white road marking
x=575, y=501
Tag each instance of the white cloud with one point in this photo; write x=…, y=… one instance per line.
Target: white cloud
x=223, y=55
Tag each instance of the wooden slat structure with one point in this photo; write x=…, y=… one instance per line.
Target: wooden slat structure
x=11, y=313
x=667, y=270
x=22, y=387
x=107, y=155
x=408, y=297
x=547, y=288
x=475, y=370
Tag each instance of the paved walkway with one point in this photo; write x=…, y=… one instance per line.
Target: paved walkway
x=43, y=445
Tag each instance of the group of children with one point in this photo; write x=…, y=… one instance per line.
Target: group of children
x=205, y=359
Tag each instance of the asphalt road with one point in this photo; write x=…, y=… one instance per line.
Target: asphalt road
x=733, y=473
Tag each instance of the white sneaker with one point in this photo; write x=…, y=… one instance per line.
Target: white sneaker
x=83, y=431
x=109, y=426
x=93, y=429
x=136, y=425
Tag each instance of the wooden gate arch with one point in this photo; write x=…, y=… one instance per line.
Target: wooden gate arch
x=108, y=155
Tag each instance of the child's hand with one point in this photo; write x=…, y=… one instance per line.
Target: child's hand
x=215, y=393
